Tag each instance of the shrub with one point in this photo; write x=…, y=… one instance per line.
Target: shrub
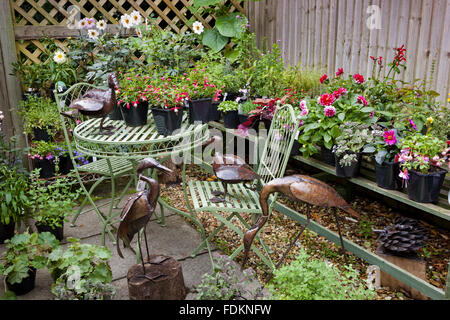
x=310, y=279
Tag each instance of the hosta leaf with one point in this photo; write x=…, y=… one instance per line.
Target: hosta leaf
x=231, y=25
x=214, y=40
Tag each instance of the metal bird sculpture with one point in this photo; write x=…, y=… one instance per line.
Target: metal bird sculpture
x=97, y=103
x=404, y=237
x=298, y=188
x=229, y=169
x=139, y=209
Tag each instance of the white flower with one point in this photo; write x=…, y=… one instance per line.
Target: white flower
x=82, y=24
x=136, y=18
x=101, y=25
x=198, y=27
x=60, y=56
x=126, y=22
x=93, y=34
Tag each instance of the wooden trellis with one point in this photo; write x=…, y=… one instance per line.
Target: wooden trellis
x=34, y=19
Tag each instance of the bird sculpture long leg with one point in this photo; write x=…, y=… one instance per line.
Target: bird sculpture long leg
x=340, y=235
x=218, y=193
x=107, y=130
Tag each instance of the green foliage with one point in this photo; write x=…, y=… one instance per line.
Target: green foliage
x=355, y=137
x=226, y=106
x=14, y=198
x=51, y=204
x=10, y=154
x=224, y=283
x=43, y=149
x=266, y=75
x=303, y=79
x=81, y=272
x=309, y=279
x=247, y=106
x=40, y=113
x=420, y=152
x=365, y=227
x=25, y=251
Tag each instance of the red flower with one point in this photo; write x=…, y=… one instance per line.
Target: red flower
x=341, y=91
x=358, y=78
x=362, y=100
x=339, y=72
x=323, y=78
x=326, y=99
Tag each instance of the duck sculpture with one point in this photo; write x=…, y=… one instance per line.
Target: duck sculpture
x=97, y=103
x=229, y=169
x=139, y=209
x=298, y=188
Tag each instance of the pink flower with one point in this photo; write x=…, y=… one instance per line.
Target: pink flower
x=389, y=137
x=326, y=99
x=323, y=78
x=411, y=122
x=339, y=72
x=304, y=112
x=329, y=111
x=358, y=78
x=404, y=174
x=340, y=92
x=362, y=100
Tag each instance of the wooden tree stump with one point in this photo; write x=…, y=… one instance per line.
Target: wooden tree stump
x=414, y=265
x=167, y=283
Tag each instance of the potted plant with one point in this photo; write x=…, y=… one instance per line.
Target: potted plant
x=14, y=200
x=131, y=97
x=387, y=167
x=25, y=253
x=43, y=155
x=41, y=117
x=51, y=204
x=166, y=101
x=202, y=93
x=354, y=140
x=81, y=272
x=63, y=164
x=421, y=159
x=229, y=110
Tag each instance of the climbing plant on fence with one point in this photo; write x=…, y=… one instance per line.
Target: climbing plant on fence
x=34, y=19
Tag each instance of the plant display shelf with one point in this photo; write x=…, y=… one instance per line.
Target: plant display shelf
x=368, y=256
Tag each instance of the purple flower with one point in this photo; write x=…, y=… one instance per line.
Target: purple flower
x=411, y=122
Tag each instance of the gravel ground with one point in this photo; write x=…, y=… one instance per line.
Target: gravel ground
x=279, y=230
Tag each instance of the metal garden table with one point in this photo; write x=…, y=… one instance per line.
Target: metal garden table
x=132, y=144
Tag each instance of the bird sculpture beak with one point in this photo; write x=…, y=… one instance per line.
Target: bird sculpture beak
x=163, y=168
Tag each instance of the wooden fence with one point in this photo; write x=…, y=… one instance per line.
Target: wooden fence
x=335, y=34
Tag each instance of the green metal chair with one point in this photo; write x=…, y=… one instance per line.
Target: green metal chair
x=243, y=201
x=107, y=168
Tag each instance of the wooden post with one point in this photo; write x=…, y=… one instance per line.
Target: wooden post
x=10, y=90
x=167, y=283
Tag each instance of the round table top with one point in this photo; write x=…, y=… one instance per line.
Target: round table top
x=136, y=142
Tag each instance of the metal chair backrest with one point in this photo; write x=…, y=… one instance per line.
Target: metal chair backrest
x=63, y=100
x=277, y=147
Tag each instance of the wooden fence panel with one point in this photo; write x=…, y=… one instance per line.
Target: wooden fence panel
x=334, y=34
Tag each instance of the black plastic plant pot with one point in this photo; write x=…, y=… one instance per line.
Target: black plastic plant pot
x=116, y=114
x=199, y=110
x=167, y=120
x=387, y=175
x=6, y=231
x=26, y=285
x=328, y=156
x=214, y=114
x=47, y=168
x=425, y=188
x=267, y=124
x=58, y=232
x=41, y=135
x=242, y=118
x=65, y=165
x=232, y=96
x=351, y=171
x=135, y=116
x=295, y=151
x=231, y=119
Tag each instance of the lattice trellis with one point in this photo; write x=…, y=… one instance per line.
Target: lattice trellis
x=169, y=14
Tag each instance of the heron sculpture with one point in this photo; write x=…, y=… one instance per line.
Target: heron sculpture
x=229, y=169
x=97, y=103
x=298, y=188
x=139, y=209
